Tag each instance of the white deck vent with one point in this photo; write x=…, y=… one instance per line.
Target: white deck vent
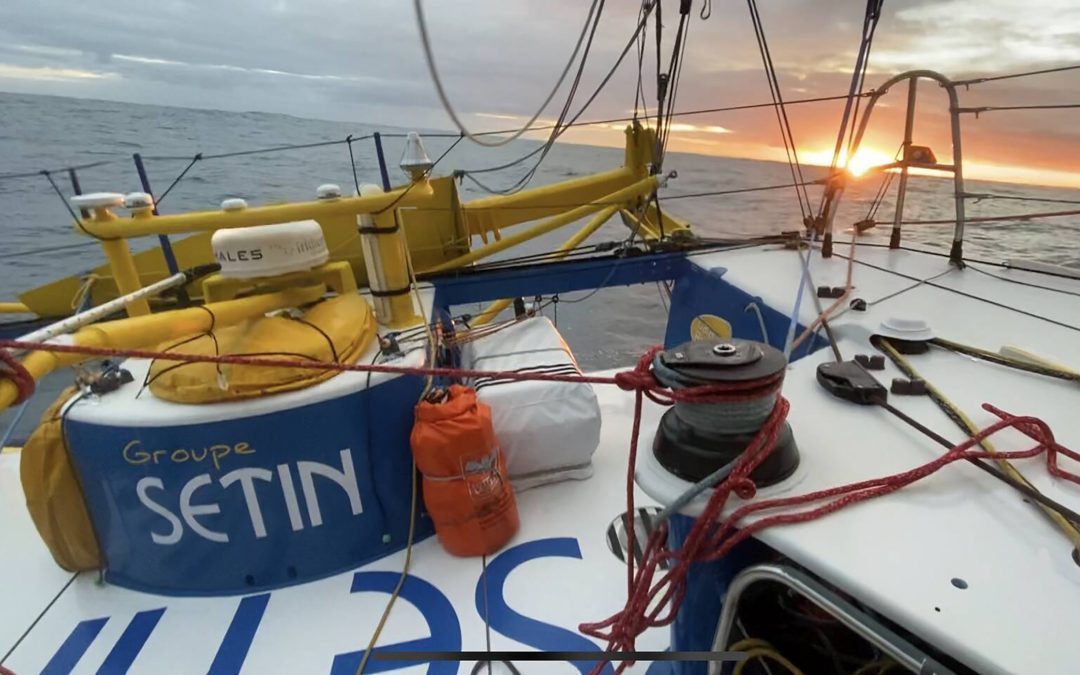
x=270, y=250
x=328, y=191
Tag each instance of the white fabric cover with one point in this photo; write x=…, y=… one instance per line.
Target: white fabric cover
x=548, y=431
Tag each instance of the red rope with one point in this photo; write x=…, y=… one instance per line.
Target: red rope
x=712, y=537
x=651, y=602
x=11, y=368
x=639, y=379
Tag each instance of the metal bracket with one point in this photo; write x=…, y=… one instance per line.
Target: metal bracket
x=864, y=625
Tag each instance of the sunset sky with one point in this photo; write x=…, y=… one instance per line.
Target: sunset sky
x=359, y=60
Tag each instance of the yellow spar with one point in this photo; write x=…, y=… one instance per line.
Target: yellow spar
x=149, y=330
x=423, y=221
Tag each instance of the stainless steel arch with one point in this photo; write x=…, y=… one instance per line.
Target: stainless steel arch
x=913, y=76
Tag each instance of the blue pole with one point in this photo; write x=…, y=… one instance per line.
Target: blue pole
x=382, y=161
x=166, y=246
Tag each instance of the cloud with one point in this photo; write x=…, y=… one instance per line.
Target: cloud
x=985, y=36
x=48, y=74
x=360, y=61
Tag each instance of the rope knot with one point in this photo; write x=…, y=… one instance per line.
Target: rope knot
x=634, y=380
x=745, y=488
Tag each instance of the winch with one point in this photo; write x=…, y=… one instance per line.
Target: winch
x=696, y=439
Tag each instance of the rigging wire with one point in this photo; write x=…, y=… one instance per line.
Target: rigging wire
x=979, y=196
x=996, y=108
x=1023, y=283
x=639, y=94
x=862, y=81
x=413, y=184
x=685, y=113
x=781, y=111
x=674, y=80
x=71, y=211
x=742, y=190
x=178, y=178
x=429, y=56
x=76, y=167
x=352, y=139
x=980, y=80
x=667, y=84
x=259, y=151
x=561, y=125
x=1003, y=265
x=965, y=294
x=883, y=189
x=823, y=315
x=873, y=14
x=558, y=127
x=996, y=219
x=352, y=164
x=803, y=197
x=48, y=249
x=40, y=616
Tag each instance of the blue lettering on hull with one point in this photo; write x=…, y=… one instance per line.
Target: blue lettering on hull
x=516, y=626
x=246, y=505
x=442, y=623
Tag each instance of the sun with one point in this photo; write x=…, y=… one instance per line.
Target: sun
x=865, y=159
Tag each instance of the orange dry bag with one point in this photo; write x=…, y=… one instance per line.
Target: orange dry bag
x=466, y=489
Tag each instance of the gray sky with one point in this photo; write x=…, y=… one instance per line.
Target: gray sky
x=359, y=60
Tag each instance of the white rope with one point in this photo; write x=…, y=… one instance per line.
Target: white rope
x=429, y=56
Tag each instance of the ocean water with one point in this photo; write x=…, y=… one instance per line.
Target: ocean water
x=609, y=329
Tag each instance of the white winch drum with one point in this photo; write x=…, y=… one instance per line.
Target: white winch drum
x=548, y=431
x=270, y=250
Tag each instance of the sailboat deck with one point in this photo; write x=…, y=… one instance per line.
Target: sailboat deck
x=900, y=554
x=905, y=555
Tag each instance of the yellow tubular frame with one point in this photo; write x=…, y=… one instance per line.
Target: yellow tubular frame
x=442, y=225
x=581, y=235
x=144, y=331
x=447, y=227
x=618, y=198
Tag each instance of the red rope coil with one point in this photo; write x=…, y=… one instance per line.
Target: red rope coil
x=654, y=602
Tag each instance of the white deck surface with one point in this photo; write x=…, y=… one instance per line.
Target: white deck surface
x=304, y=627
x=898, y=554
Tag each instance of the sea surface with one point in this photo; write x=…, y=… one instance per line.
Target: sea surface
x=38, y=242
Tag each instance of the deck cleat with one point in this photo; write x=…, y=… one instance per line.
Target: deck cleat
x=871, y=361
x=902, y=386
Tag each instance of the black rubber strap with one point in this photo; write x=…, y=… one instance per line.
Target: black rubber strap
x=380, y=230
x=375, y=293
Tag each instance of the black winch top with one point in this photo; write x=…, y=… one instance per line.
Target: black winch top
x=731, y=360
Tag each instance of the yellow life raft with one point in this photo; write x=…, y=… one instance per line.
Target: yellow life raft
x=53, y=494
x=335, y=330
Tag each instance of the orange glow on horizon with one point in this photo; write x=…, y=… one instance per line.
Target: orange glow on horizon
x=729, y=144
x=865, y=159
